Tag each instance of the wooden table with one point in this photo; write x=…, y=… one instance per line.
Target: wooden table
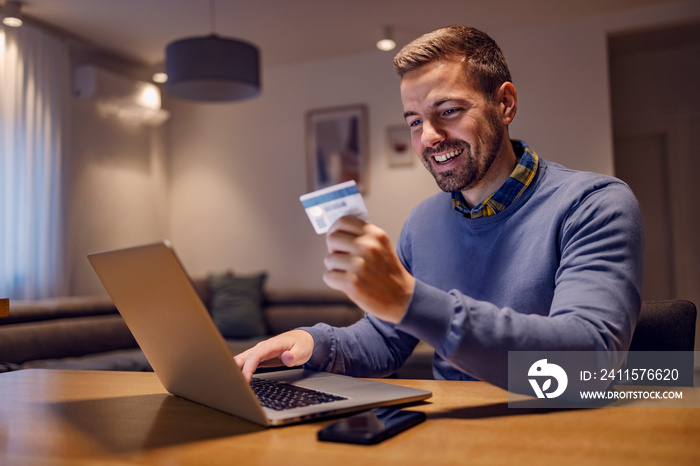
x=51, y=417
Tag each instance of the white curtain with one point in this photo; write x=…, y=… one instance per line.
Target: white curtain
x=34, y=99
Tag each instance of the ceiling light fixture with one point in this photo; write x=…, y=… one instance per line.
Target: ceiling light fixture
x=160, y=77
x=159, y=74
x=11, y=14
x=386, y=39
x=212, y=68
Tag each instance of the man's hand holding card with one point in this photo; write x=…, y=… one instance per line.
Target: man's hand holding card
x=361, y=261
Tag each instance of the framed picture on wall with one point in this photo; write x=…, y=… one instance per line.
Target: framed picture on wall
x=337, y=146
x=399, y=150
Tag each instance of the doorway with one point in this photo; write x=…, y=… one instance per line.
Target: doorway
x=656, y=123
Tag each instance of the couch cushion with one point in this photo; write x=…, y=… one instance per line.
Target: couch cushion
x=239, y=345
x=305, y=297
x=60, y=338
x=57, y=308
x=201, y=286
x=282, y=318
x=120, y=360
x=236, y=304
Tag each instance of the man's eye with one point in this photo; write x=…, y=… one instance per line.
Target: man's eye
x=450, y=111
x=414, y=123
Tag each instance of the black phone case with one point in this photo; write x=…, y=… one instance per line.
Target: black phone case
x=371, y=427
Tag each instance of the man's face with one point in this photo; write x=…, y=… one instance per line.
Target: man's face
x=456, y=131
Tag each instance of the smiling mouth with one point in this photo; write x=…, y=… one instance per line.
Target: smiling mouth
x=444, y=158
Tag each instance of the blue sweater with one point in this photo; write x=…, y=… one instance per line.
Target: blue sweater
x=559, y=269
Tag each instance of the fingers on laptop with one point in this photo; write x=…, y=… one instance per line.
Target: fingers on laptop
x=290, y=349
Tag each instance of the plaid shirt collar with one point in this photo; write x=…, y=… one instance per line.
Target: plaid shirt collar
x=519, y=180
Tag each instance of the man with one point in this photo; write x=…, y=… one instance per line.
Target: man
x=518, y=253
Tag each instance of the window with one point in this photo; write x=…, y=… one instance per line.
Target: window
x=34, y=93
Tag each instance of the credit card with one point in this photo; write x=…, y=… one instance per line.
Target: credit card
x=327, y=205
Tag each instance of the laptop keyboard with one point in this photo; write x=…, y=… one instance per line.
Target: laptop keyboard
x=279, y=395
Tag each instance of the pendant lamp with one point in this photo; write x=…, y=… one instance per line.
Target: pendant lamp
x=12, y=14
x=212, y=68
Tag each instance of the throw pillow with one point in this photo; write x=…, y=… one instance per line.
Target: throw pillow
x=236, y=304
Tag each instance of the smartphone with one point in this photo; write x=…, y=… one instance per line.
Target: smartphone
x=371, y=427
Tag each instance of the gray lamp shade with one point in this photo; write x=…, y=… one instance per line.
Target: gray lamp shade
x=212, y=68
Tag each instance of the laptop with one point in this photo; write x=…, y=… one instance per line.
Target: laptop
x=159, y=304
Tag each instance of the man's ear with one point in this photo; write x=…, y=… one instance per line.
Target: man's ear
x=507, y=102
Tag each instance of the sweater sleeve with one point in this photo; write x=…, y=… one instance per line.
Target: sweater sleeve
x=594, y=308
x=368, y=348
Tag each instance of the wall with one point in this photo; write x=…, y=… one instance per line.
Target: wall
x=235, y=198
x=238, y=169
x=116, y=183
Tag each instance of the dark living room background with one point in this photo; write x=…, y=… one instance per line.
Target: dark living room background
x=222, y=181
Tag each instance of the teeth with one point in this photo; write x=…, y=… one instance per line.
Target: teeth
x=445, y=157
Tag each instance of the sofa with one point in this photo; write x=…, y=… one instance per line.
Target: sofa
x=87, y=332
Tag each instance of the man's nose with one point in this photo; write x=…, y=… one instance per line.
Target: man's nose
x=432, y=134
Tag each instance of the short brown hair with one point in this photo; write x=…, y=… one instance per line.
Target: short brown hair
x=484, y=62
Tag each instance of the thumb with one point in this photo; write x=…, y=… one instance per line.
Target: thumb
x=288, y=359
x=300, y=346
